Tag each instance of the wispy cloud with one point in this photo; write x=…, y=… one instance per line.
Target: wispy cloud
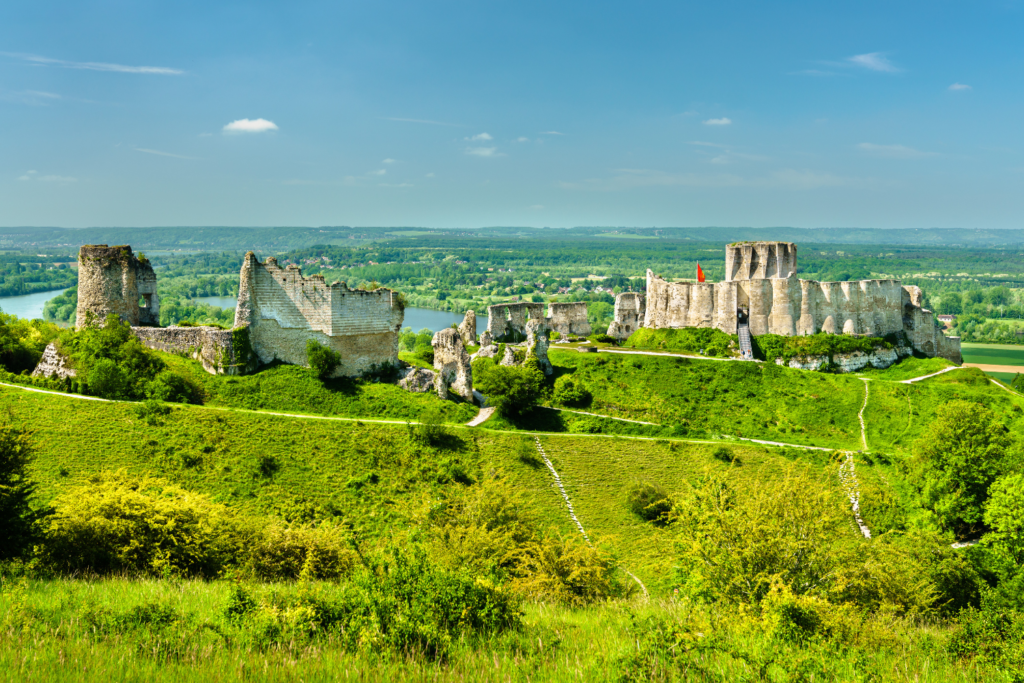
x=873, y=61
x=389, y=160
x=32, y=97
x=250, y=126
x=552, y=132
x=163, y=154
x=893, y=151
x=482, y=151
x=94, y=66
x=34, y=176
x=480, y=137
x=432, y=123
x=718, y=122
x=522, y=139
x=380, y=171
x=959, y=86
x=429, y=175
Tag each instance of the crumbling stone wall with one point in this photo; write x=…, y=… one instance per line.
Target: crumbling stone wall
x=111, y=280
x=283, y=309
x=507, y=322
x=569, y=319
x=467, y=330
x=451, y=365
x=221, y=352
x=629, y=315
x=537, y=343
x=785, y=305
x=53, y=364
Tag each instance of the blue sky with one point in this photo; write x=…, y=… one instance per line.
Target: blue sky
x=451, y=114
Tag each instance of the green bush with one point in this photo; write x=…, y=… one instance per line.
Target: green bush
x=305, y=553
x=18, y=519
x=22, y=342
x=649, y=502
x=141, y=526
x=512, y=389
x=768, y=347
x=174, y=388
x=705, y=341
x=570, y=391
x=323, y=360
x=110, y=360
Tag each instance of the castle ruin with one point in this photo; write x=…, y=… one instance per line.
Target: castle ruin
x=507, y=322
x=282, y=310
x=114, y=280
x=761, y=291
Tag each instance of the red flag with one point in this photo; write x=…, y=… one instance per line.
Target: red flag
x=700, y=273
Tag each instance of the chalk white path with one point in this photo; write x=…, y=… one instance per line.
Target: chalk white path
x=860, y=415
x=1003, y=386
x=934, y=374
x=572, y=512
x=481, y=417
x=610, y=417
x=56, y=393
x=672, y=355
x=848, y=478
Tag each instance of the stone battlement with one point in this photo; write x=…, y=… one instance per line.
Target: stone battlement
x=283, y=309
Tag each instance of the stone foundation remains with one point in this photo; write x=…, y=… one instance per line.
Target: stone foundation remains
x=113, y=280
x=537, y=343
x=629, y=315
x=53, y=364
x=221, y=352
x=451, y=365
x=283, y=309
x=569, y=319
x=507, y=322
x=761, y=286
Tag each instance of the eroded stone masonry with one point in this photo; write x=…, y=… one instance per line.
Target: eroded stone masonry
x=761, y=290
x=278, y=310
x=508, y=322
x=282, y=310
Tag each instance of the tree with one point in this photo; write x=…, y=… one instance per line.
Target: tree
x=570, y=391
x=512, y=389
x=959, y=458
x=18, y=521
x=322, y=360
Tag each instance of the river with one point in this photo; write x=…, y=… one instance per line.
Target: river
x=30, y=306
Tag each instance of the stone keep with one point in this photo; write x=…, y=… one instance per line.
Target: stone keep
x=113, y=280
x=761, y=281
x=283, y=309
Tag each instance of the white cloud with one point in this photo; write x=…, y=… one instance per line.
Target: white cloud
x=874, y=61
x=718, y=122
x=33, y=97
x=537, y=207
x=552, y=132
x=482, y=151
x=522, y=139
x=96, y=66
x=378, y=172
x=484, y=137
x=959, y=86
x=893, y=151
x=163, y=154
x=250, y=126
x=388, y=161
x=429, y=175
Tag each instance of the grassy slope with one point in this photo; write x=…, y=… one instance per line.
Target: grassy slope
x=294, y=389
x=218, y=452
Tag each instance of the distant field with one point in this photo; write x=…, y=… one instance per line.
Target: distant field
x=993, y=354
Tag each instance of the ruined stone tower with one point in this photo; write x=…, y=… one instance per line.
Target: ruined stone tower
x=113, y=280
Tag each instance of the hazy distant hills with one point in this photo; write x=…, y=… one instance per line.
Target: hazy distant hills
x=288, y=237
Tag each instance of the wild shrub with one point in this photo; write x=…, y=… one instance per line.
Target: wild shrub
x=726, y=455
x=171, y=387
x=323, y=360
x=568, y=570
x=150, y=411
x=526, y=452
x=308, y=553
x=141, y=526
x=570, y=391
x=957, y=460
x=111, y=362
x=19, y=520
x=22, y=342
x=649, y=502
x=432, y=430
x=512, y=389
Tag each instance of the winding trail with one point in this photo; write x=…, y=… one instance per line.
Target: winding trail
x=620, y=419
x=860, y=415
x=934, y=374
x=481, y=417
x=848, y=478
